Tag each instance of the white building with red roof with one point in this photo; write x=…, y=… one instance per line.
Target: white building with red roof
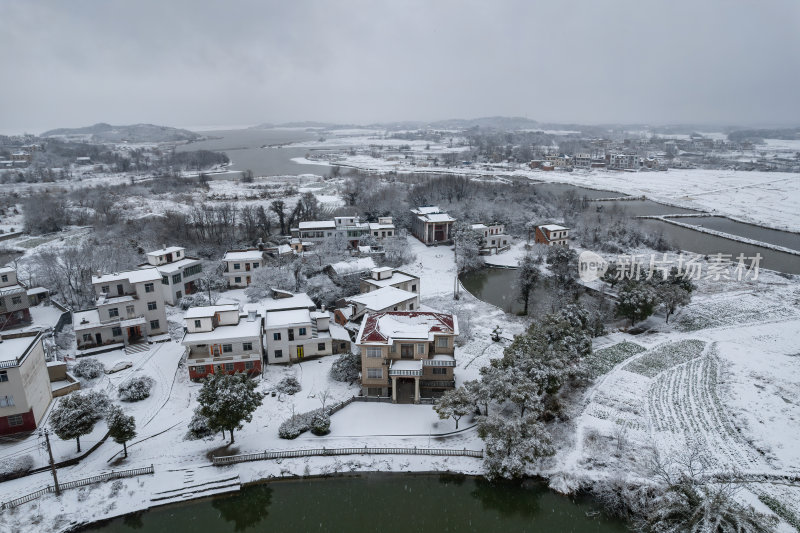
x=407, y=355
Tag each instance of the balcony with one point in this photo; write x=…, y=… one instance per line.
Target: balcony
x=440, y=361
x=437, y=384
x=405, y=369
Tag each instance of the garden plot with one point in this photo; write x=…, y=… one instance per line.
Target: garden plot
x=684, y=408
x=735, y=309
x=603, y=360
x=666, y=356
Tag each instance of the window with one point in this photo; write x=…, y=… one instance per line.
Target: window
x=237, y=279
x=192, y=270
x=152, y=306
x=165, y=280
x=442, y=342
x=104, y=289
x=276, y=336
x=237, y=266
x=249, y=365
x=154, y=324
x=374, y=352
x=374, y=391
x=302, y=331
x=321, y=346
x=411, y=307
x=4, y=278
x=16, y=300
x=87, y=337
x=149, y=287
x=3, y=375
x=439, y=371
x=116, y=331
x=15, y=420
x=178, y=295
x=247, y=346
x=229, y=367
x=114, y=311
x=342, y=345
x=197, y=323
x=420, y=348
x=176, y=278
x=255, y=265
x=374, y=373
x=393, y=348
x=413, y=288
x=6, y=401
x=278, y=354
x=227, y=348
x=130, y=309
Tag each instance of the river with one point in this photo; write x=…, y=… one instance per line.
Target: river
x=379, y=503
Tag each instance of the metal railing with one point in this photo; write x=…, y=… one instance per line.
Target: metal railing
x=77, y=483
x=438, y=362
x=288, y=454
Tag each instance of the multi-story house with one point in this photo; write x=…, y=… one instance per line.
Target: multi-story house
x=346, y=228
x=292, y=335
x=383, y=228
x=239, y=266
x=407, y=355
x=493, y=238
x=179, y=273
x=552, y=235
x=129, y=311
x=582, y=161
x=14, y=302
x=389, y=277
x=624, y=161
x=219, y=339
x=432, y=226
x=25, y=390
x=377, y=301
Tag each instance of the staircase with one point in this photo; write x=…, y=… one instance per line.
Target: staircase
x=187, y=488
x=131, y=349
x=314, y=330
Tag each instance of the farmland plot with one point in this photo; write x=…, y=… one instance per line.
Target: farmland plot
x=733, y=310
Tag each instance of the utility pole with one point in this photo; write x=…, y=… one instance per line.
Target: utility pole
x=52, y=462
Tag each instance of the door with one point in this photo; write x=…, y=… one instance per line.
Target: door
x=299, y=352
x=120, y=290
x=98, y=339
x=291, y=334
x=407, y=351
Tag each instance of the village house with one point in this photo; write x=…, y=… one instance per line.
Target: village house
x=623, y=161
x=219, y=339
x=239, y=266
x=130, y=312
x=552, y=235
x=407, y=355
x=493, y=238
x=582, y=161
x=389, y=277
x=344, y=228
x=179, y=273
x=14, y=301
x=25, y=390
x=432, y=226
x=377, y=301
x=346, y=270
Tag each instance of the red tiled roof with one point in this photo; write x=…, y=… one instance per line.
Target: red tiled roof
x=372, y=331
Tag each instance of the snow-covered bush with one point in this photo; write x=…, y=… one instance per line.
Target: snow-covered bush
x=321, y=424
x=198, y=427
x=294, y=426
x=289, y=385
x=88, y=368
x=198, y=299
x=346, y=368
x=135, y=389
x=15, y=467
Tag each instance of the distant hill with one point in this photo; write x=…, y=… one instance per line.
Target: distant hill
x=134, y=133
x=499, y=123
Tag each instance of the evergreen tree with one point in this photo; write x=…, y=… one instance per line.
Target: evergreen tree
x=455, y=404
x=76, y=415
x=527, y=277
x=121, y=427
x=512, y=444
x=228, y=401
x=636, y=301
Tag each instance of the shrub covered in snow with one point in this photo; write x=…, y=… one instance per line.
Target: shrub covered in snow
x=289, y=385
x=199, y=427
x=346, y=368
x=320, y=424
x=136, y=388
x=197, y=299
x=88, y=368
x=15, y=467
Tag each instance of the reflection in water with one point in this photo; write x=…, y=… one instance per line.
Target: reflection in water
x=503, y=497
x=245, y=510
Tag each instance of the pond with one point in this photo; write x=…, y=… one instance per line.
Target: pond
x=380, y=503
x=786, y=239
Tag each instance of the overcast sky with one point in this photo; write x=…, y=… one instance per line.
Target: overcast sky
x=193, y=63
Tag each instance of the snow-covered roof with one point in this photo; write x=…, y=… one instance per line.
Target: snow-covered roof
x=298, y=301
x=87, y=319
x=426, y=210
x=397, y=277
x=210, y=310
x=479, y=226
x=382, y=298
x=12, y=289
x=175, y=266
x=407, y=365
x=362, y=264
x=165, y=251
x=553, y=227
x=37, y=290
x=338, y=332
x=133, y=276
x=383, y=328
x=438, y=217
x=14, y=349
x=381, y=269
x=242, y=330
x=6, y=270
x=243, y=255
x=377, y=225
x=277, y=319
x=317, y=224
